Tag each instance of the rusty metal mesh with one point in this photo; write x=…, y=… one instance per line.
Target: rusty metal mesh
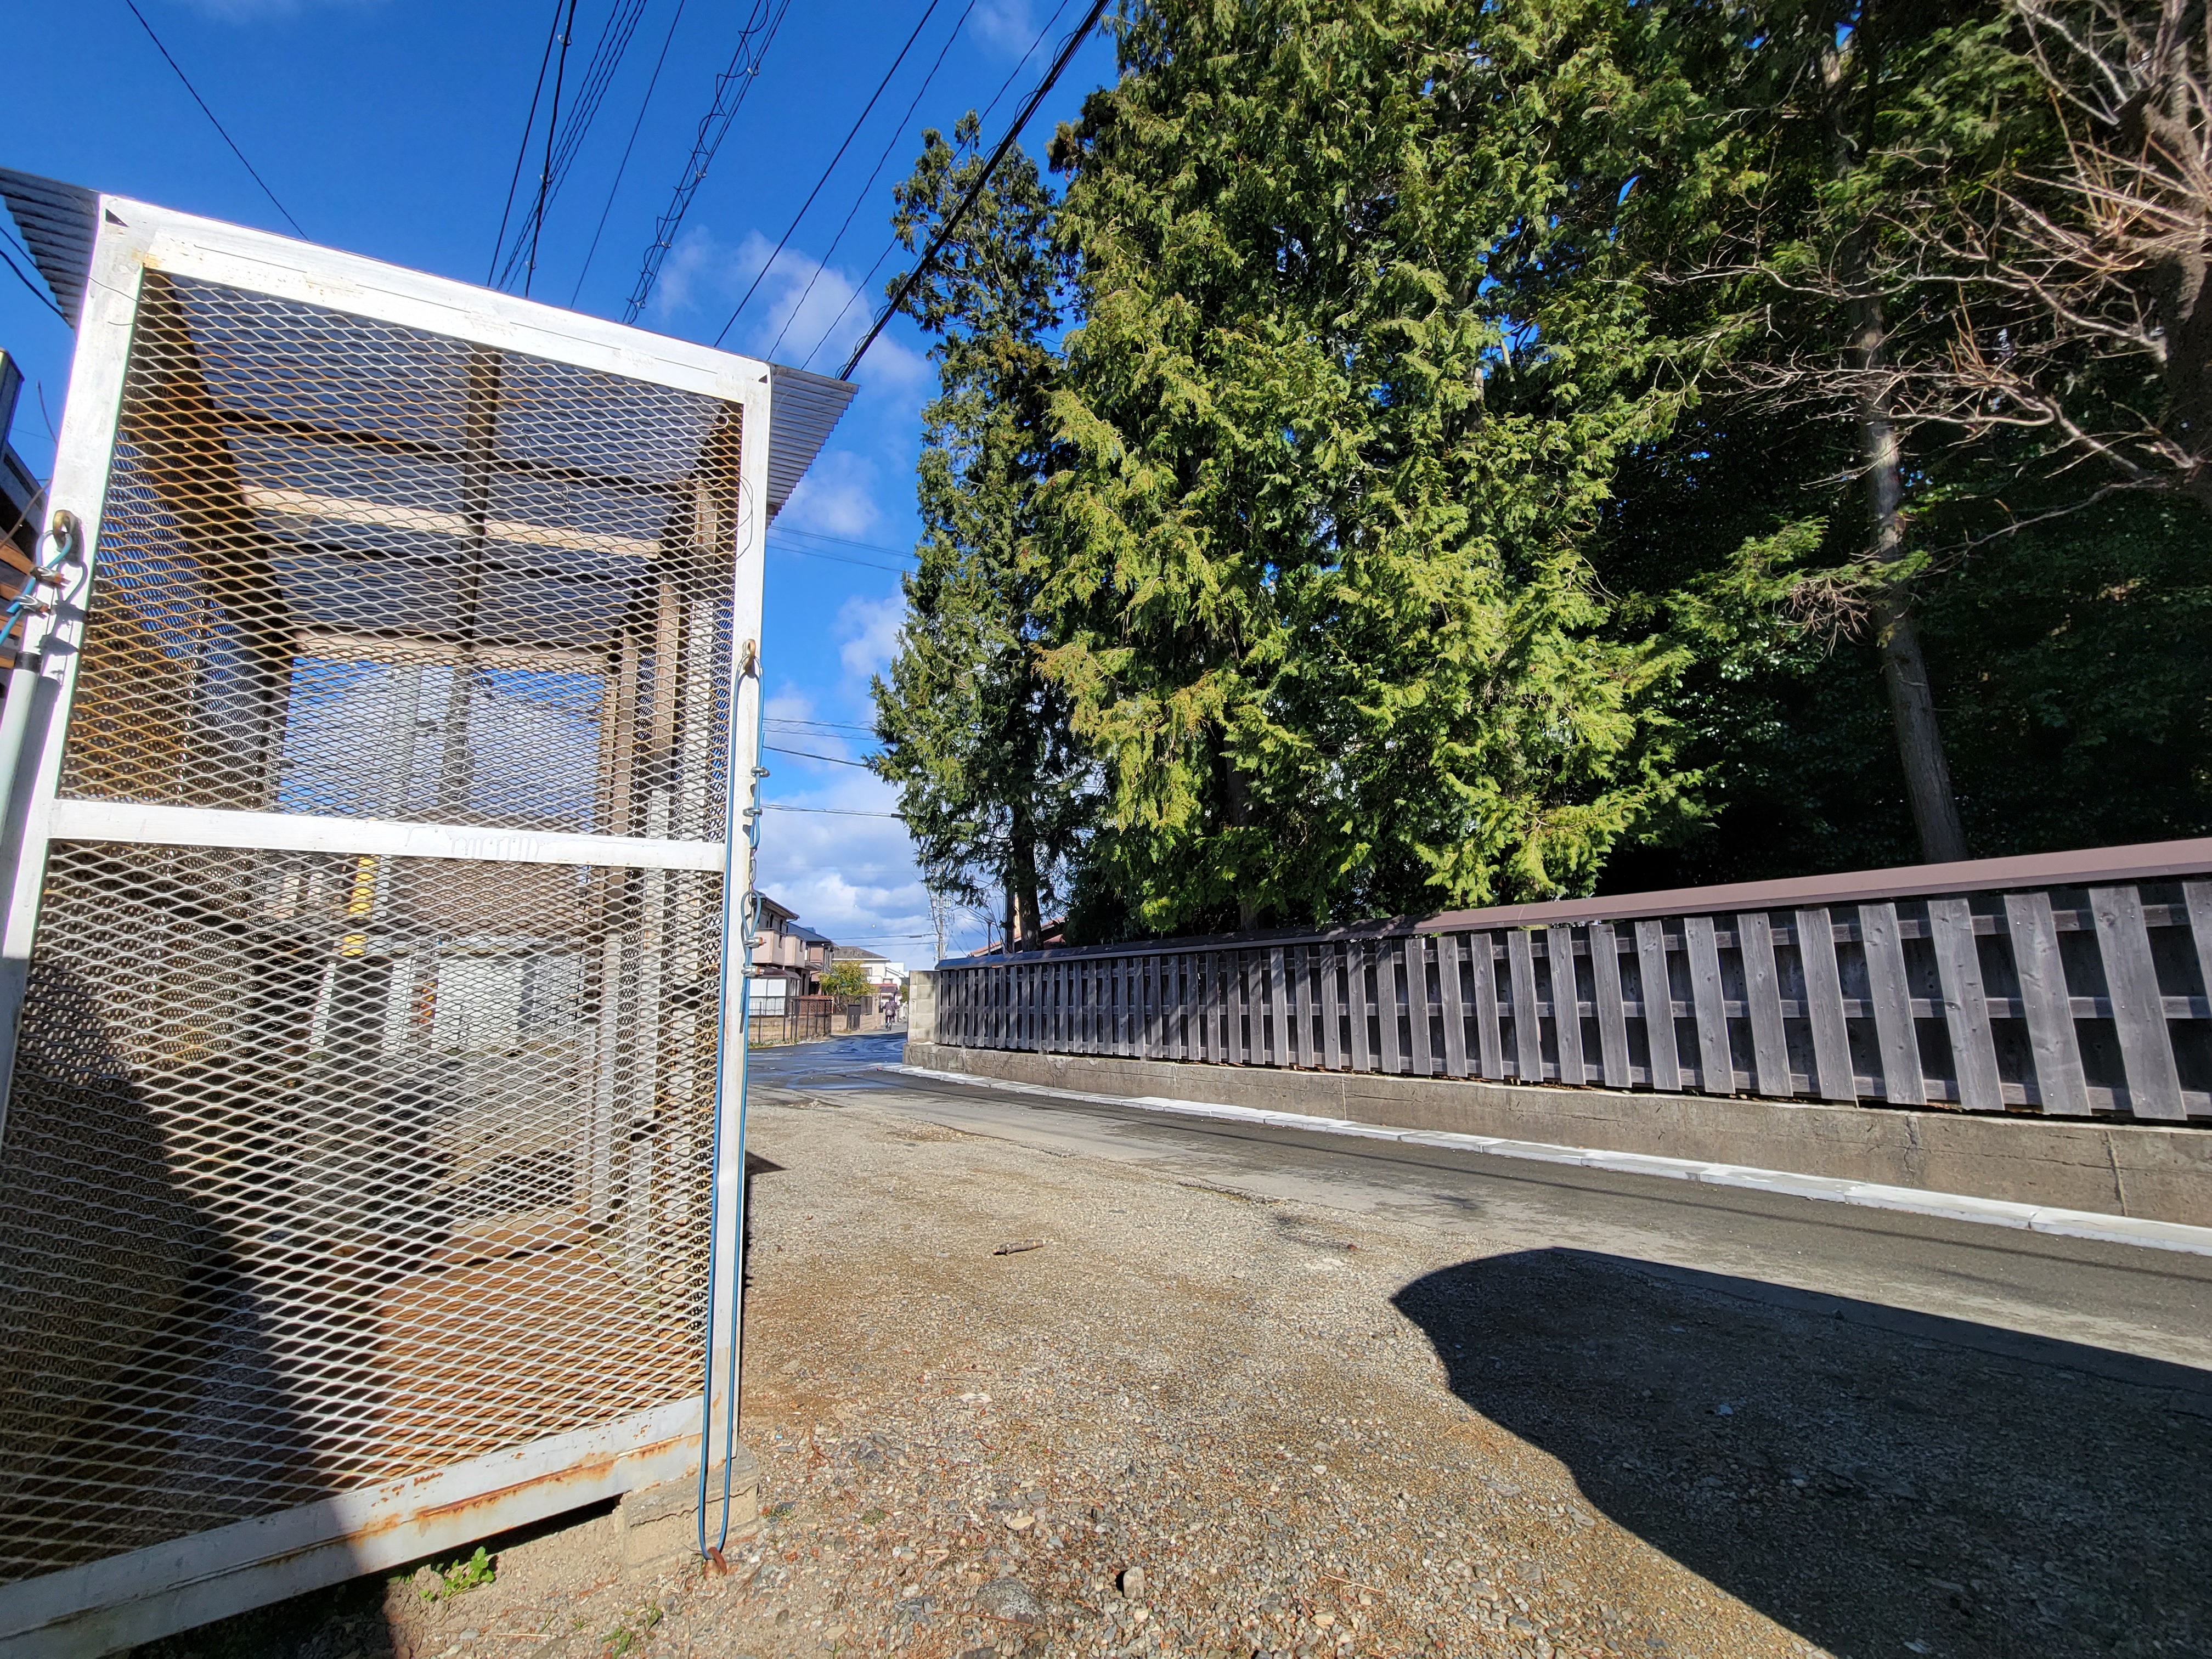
x=325, y=1170
x=350, y=569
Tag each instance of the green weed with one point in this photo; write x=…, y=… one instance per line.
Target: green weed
x=459, y=1575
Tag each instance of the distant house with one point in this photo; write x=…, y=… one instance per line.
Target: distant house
x=785, y=950
x=879, y=969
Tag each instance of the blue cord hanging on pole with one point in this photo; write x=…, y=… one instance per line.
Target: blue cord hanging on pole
x=748, y=787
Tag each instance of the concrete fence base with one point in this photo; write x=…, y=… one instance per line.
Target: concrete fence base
x=2146, y=1172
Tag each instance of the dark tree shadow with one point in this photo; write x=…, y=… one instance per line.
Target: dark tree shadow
x=138, y=1357
x=1880, y=1483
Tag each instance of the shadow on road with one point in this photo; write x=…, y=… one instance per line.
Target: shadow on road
x=1878, y=1483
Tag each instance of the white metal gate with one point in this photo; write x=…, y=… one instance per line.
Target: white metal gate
x=365, y=949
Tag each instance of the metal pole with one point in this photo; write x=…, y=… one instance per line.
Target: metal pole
x=727, y=1252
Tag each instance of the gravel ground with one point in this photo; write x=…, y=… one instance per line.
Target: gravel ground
x=1188, y=1422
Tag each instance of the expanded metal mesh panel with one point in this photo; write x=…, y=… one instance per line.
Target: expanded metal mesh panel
x=325, y=1170
x=349, y=569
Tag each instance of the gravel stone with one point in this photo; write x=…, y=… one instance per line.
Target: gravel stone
x=1451, y=1440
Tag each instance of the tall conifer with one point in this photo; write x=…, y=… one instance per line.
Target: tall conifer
x=1315, y=588
x=974, y=734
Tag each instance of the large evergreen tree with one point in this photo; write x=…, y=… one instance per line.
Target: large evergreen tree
x=1315, y=593
x=1514, y=444
x=977, y=736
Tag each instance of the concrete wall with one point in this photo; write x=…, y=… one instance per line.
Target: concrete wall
x=2151, y=1173
x=920, y=1008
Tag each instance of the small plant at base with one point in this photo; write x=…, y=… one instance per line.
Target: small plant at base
x=458, y=1576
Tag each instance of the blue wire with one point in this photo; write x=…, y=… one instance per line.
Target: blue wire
x=746, y=908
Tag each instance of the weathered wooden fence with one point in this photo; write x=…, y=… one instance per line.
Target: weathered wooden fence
x=796, y=1019
x=2066, y=984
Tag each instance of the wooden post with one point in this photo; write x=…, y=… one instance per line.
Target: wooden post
x=1762, y=992
x=2138, y=1007
x=1612, y=1015
x=1716, y=1065
x=1823, y=1006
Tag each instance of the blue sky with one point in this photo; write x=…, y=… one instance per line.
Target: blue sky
x=390, y=127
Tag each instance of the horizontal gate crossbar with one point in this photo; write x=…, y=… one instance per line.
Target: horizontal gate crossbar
x=78, y=1609
x=286, y=832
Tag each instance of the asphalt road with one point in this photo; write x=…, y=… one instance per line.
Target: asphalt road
x=2133, y=1315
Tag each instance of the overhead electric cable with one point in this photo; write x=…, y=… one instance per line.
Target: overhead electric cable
x=552, y=125
x=874, y=172
x=851, y=299
x=843, y=541
x=864, y=113
x=840, y=558
x=842, y=813
x=804, y=754
x=522, y=146
x=892, y=246
x=952, y=220
x=591, y=252
x=614, y=35
x=731, y=87
x=47, y=301
x=822, y=725
x=209, y=113
x=1021, y=63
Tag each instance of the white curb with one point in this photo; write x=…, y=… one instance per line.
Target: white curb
x=1954, y=1206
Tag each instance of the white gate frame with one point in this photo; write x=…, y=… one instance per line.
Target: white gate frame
x=95, y=1608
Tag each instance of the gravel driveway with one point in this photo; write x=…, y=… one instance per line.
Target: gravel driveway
x=1189, y=1421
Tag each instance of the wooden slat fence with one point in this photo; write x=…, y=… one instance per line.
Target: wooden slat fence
x=2065, y=999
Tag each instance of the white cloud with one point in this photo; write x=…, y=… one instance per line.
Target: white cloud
x=846, y=868
x=255, y=11
x=836, y=497
x=867, y=631
x=1008, y=26
x=698, y=271
x=790, y=704
x=801, y=311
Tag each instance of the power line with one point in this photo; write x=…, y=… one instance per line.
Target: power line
x=209, y=113
x=843, y=541
x=865, y=111
x=831, y=812
x=1042, y=34
x=889, y=248
x=874, y=172
x=46, y=300
x=552, y=123
x=522, y=145
x=667, y=40
x=892, y=246
x=953, y=220
x=844, y=558
x=834, y=760
x=830, y=725
x=731, y=87
x=607, y=56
